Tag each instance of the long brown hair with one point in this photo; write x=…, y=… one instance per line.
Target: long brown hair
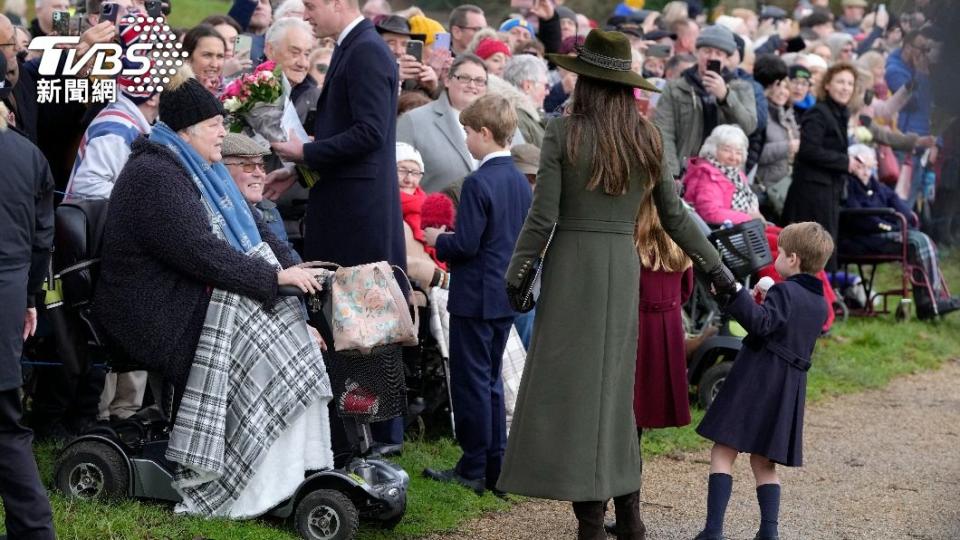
x=656, y=249
x=622, y=139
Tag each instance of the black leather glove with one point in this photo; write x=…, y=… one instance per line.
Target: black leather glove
x=515, y=297
x=724, y=284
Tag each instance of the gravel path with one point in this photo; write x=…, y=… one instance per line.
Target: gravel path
x=883, y=465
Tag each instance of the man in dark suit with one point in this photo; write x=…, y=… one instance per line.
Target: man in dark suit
x=27, y=214
x=353, y=215
x=493, y=206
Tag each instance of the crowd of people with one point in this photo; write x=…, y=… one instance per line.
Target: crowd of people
x=457, y=150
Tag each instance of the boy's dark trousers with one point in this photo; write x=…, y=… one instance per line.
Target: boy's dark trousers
x=476, y=355
x=25, y=502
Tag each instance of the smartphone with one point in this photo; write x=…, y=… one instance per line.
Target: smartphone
x=521, y=4
x=415, y=49
x=61, y=23
x=242, y=44
x=714, y=66
x=109, y=12
x=868, y=96
x=154, y=8
x=441, y=41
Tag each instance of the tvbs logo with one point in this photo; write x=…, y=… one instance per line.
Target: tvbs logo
x=151, y=55
x=106, y=58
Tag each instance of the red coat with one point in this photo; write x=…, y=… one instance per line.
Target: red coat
x=660, y=392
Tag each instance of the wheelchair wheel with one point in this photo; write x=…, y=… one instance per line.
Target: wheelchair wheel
x=92, y=470
x=711, y=382
x=326, y=514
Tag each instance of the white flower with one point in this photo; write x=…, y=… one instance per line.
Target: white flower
x=232, y=104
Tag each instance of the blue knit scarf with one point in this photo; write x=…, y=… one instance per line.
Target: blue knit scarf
x=229, y=212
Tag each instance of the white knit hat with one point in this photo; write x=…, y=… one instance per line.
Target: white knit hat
x=405, y=152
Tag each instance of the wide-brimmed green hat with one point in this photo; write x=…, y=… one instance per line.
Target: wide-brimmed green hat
x=606, y=56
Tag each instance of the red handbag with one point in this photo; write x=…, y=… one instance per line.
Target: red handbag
x=888, y=168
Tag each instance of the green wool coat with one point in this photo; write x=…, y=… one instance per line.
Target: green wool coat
x=573, y=436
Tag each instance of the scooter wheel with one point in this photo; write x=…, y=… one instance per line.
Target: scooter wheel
x=711, y=381
x=326, y=514
x=91, y=470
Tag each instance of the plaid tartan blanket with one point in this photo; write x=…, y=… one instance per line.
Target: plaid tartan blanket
x=254, y=374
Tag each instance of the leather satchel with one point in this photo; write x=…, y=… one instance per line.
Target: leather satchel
x=530, y=284
x=369, y=308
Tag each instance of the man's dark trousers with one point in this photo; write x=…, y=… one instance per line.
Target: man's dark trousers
x=476, y=355
x=28, y=515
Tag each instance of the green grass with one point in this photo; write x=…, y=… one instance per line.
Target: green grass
x=861, y=354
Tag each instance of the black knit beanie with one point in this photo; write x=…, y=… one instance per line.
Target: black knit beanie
x=188, y=103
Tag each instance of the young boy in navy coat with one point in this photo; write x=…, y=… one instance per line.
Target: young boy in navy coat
x=493, y=206
x=759, y=410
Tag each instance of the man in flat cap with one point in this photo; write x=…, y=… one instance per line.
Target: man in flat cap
x=714, y=96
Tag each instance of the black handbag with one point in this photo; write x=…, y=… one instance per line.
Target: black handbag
x=531, y=280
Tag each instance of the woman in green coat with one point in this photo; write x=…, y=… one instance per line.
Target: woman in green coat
x=573, y=436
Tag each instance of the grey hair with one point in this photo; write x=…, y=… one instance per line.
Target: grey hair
x=524, y=67
x=284, y=9
x=729, y=134
x=278, y=30
x=862, y=151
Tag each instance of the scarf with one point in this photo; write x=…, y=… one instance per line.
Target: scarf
x=412, y=204
x=744, y=199
x=226, y=207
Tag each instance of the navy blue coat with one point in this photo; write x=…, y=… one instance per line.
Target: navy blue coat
x=26, y=211
x=493, y=206
x=353, y=215
x=858, y=233
x=760, y=407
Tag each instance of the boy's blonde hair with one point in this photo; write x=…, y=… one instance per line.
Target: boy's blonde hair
x=810, y=241
x=494, y=113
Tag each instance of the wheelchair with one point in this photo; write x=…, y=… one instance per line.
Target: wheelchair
x=866, y=265
x=127, y=458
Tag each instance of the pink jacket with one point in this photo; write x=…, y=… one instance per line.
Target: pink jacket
x=710, y=193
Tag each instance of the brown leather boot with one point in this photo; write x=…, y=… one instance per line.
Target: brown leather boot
x=629, y=523
x=590, y=520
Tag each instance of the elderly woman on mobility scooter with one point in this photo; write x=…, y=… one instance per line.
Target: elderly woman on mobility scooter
x=189, y=288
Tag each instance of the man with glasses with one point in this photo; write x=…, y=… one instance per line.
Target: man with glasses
x=465, y=21
x=243, y=158
x=910, y=66
x=435, y=130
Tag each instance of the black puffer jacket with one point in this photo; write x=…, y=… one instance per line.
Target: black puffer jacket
x=160, y=263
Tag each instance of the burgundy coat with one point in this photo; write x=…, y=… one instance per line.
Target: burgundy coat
x=660, y=392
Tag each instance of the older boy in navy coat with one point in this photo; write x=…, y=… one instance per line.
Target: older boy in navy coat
x=759, y=410
x=493, y=206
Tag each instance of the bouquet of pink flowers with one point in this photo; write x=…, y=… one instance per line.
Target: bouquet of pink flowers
x=256, y=100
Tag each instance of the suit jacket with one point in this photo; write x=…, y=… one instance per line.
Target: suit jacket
x=353, y=215
x=493, y=206
x=435, y=131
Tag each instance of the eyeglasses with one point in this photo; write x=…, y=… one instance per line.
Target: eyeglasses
x=403, y=173
x=2, y=45
x=466, y=79
x=322, y=68
x=247, y=166
x=471, y=28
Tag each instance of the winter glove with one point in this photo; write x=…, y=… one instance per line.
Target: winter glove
x=724, y=284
